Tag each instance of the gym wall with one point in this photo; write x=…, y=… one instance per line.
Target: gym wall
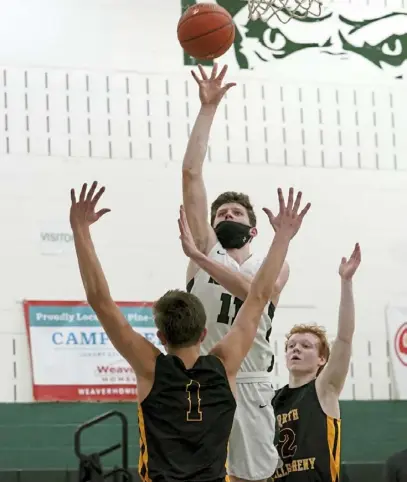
x=101, y=90
x=40, y=436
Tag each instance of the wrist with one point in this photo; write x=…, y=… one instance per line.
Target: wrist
x=81, y=229
x=198, y=257
x=346, y=282
x=208, y=109
x=283, y=235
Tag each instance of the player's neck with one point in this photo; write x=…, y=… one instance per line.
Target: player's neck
x=240, y=255
x=299, y=379
x=188, y=355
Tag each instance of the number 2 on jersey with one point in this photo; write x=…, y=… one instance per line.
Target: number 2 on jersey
x=226, y=300
x=194, y=413
x=287, y=443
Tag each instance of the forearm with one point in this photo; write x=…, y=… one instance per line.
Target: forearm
x=263, y=283
x=93, y=278
x=346, y=322
x=234, y=282
x=198, y=141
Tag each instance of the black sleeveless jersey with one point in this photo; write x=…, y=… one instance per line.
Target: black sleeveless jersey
x=307, y=440
x=185, y=422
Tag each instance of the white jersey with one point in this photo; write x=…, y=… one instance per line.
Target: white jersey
x=221, y=308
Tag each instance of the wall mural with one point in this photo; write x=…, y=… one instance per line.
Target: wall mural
x=345, y=41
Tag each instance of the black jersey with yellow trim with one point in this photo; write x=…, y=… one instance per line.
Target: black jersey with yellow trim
x=185, y=422
x=308, y=441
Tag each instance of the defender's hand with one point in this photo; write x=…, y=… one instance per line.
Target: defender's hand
x=83, y=212
x=349, y=267
x=211, y=90
x=288, y=218
x=187, y=241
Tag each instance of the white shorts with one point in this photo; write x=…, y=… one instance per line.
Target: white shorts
x=252, y=454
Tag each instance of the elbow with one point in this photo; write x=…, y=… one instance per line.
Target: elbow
x=190, y=172
x=345, y=338
x=259, y=297
x=92, y=299
x=96, y=299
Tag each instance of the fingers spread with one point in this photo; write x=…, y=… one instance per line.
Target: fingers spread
x=281, y=201
x=102, y=212
x=203, y=73
x=297, y=203
x=305, y=210
x=195, y=77
x=222, y=74
x=91, y=191
x=290, y=199
x=83, y=192
x=99, y=194
x=214, y=71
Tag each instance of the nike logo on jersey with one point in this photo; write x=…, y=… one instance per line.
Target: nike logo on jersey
x=221, y=253
x=262, y=406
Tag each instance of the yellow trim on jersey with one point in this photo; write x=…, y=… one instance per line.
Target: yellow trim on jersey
x=334, y=446
x=227, y=479
x=143, y=458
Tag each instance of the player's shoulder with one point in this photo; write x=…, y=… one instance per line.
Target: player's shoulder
x=279, y=391
x=217, y=251
x=253, y=263
x=213, y=362
x=397, y=458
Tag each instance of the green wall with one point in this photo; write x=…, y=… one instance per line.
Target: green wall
x=40, y=435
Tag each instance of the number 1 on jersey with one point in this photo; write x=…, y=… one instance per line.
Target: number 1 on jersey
x=194, y=413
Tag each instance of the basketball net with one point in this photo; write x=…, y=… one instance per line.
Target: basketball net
x=284, y=10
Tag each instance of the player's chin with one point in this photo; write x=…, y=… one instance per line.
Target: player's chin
x=296, y=366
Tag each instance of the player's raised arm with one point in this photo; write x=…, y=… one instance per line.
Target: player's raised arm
x=233, y=348
x=139, y=352
x=211, y=91
x=332, y=378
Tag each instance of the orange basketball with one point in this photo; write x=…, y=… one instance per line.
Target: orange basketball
x=206, y=31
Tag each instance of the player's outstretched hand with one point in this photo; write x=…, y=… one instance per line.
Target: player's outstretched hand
x=83, y=212
x=348, y=267
x=212, y=89
x=187, y=241
x=288, y=218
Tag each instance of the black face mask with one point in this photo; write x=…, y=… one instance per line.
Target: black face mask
x=232, y=235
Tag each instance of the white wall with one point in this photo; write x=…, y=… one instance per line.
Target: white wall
x=347, y=155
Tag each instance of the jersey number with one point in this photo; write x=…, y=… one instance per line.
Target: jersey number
x=194, y=413
x=226, y=300
x=287, y=443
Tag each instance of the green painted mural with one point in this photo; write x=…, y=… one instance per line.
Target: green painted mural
x=344, y=36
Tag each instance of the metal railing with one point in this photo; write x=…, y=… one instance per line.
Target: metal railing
x=118, y=474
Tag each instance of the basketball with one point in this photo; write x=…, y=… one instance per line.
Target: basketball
x=206, y=31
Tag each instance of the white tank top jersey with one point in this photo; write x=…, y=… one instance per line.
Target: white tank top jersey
x=221, y=308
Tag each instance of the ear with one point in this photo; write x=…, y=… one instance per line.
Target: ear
x=322, y=361
x=162, y=339
x=253, y=232
x=203, y=335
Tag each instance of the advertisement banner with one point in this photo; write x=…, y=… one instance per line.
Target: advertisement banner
x=72, y=358
x=397, y=337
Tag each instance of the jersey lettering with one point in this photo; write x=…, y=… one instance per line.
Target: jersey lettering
x=194, y=413
x=226, y=300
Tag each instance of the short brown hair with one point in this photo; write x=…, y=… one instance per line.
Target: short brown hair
x=181, y=318
x=234, y=197
x=319, y=331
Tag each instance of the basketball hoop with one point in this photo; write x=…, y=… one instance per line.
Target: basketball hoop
x=284, y=10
